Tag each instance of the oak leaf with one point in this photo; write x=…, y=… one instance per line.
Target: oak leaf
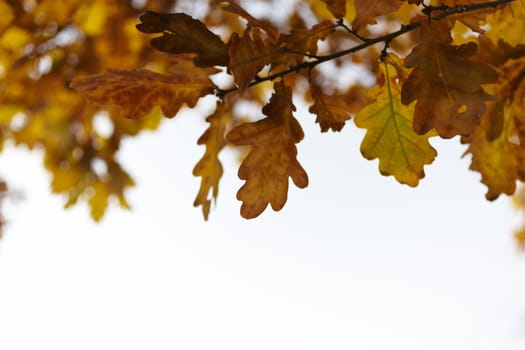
x=136, y=92
x=367, y=11
x=390, y=136
x=500, y=157
x=508, y=24
x=446, y=84
x=209, y=167
x=332, y=110
x=269, y=28
x=302, y=42
x=336, y=7
x=473, y=20
x=184, y=34
x=272, y=158
x=248, y=55
x=499, y=161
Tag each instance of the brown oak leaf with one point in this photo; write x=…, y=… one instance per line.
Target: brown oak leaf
x=300, y=42
x=209, y=167
x=269, y=28
x=332, y=111
x=273, y=156
x=248, y=55
x=136, y=92
x=446, y=84
x=336, y=7
x=183, y=34
x=367, y=11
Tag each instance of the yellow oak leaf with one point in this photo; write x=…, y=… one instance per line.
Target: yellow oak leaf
x=183, y=34
x=508, y=24
x=500, y=157
x=367, y=11
x=209, y=167
x=446, y=84
x=390, y=136
x=136, y=92
x=273, y=155
x=332, y=110
x=499, y=161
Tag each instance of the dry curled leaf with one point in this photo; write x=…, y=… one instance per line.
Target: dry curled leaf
x=209, y=167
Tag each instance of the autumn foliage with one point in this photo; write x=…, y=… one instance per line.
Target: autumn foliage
x=449, y=68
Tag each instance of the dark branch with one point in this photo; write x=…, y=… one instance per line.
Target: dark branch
x=386, y=39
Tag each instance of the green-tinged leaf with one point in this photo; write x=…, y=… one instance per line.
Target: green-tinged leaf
x=390, y=136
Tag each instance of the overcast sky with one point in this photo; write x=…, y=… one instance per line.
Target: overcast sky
x=355, y=261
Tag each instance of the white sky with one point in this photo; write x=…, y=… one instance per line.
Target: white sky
x=355, y=261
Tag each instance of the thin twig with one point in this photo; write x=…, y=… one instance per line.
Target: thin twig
x=342, y=24
x=387, y=38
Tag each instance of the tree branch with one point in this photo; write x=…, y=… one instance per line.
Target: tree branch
x=386, y=39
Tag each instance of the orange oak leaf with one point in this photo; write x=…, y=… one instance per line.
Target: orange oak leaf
x=183, y=34
x=273, y=156
x=446, y=84
x=332, y=111
x=136, y=92
x=367, y=11
x=336, y=7
x=209, y=167
x=248, y=55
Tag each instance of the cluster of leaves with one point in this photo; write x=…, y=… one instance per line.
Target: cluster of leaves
x=43, y=46
x=443, y=68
